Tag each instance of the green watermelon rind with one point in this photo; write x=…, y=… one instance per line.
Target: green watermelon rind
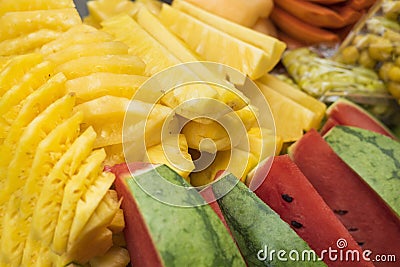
x=374, y=157
x=255, y=225
x=184, y=236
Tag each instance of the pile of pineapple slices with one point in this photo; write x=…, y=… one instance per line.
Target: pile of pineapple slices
x=56, y=203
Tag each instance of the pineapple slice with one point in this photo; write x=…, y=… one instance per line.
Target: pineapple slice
x=296, y=95
x=16, y=68
x=10, y=103
x=114, y=257
x=46, y=212
x=152, y=25
x=80, y=34
x=262, y=143
x=14, y=24
x=208, y=42
x=91, y=49
x=86, y=218
x=141, y=43
x=117, y=224
x=25, y=5
x=27, y=43
x=127, y=64
x=20, y=209
x=101, y=84
x=106, y=115
x=84, y=250
x=291, y=118
x=115, y=155
x=272, y=46
x=173, y=152
x=74, y=190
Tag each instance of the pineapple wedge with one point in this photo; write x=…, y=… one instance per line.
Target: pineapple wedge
x=155, y=28
x=26, y=5
x=114, y=257
x=296, y=95
x=173, y=152
x=27, y=43
x=272, y=46
x=208, y=42
x=14, y=24
x=124, y=64
x=80, y=34
x=291, y=118
x=106, y=115
x=100, y=84
x=115, y=155
x=73, y=191
x=141, y=43
x=20, y=209
x=16, y=68
x=86, y=207
x=91, y=49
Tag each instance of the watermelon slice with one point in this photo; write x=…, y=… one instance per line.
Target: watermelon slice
x=262, y=236
x=345, y=112
x=288, y=192
x=160, y=234
x=366, y=216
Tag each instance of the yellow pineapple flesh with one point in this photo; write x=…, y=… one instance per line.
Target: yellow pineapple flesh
x=141, y=43
x=101, y=84
x=125, y=64
x=15, y=69
x=49, y=150
x=79, y=34
x=14, y=24
x=26, y=5
x=84, y=50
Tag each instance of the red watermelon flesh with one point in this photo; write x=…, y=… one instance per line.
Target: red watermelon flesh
x=348, y=113
x=365, y=215
x=287, y=191
x=329, y=123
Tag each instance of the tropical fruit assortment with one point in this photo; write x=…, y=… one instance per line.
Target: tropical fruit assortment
x=77, y=95
x=303, y=22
